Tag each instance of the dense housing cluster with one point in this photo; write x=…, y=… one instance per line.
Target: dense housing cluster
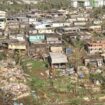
x=53, y=55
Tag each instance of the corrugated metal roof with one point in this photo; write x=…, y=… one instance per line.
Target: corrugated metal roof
x=36, y=38
x=57, y=58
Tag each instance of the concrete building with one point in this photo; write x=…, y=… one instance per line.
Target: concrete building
x=17, y=46
x=88, y=3
x=37, y=39
x=96, y=47
x=95, y=60
x=30, y=1
x=58, y=60
x=2, y=20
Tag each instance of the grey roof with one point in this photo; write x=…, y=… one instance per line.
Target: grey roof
x=57, y=58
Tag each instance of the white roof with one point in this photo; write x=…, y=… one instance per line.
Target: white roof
x=56, y=49
x=58, y=58
x=103, y=54
x=52, y=39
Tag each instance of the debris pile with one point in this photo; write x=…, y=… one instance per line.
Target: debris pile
x=13, y=80
x=18, y=90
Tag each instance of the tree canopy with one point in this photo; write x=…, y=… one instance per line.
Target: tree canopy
x=50, y=4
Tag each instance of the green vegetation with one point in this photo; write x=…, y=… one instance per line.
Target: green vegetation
x=14, y=7
x=75, y=101
x=79, y=44
x=2, y=56
x=45, y=5
x=97, y=12
x=36, y=65
x=53, y=4
x=37, y=83
x=62, y=88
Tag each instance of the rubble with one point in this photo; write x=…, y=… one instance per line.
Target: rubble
x=101, y=98
x=86, y=98
x=13, y=80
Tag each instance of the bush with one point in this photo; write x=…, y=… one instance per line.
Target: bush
x=2, y=56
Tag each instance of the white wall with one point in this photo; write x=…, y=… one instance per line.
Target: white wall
x=87, y=3
x=75, y=4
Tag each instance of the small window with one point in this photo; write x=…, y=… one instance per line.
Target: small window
x=2, y=20
x=48, y=25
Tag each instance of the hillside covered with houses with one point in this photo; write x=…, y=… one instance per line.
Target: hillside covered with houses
x=52, y=53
